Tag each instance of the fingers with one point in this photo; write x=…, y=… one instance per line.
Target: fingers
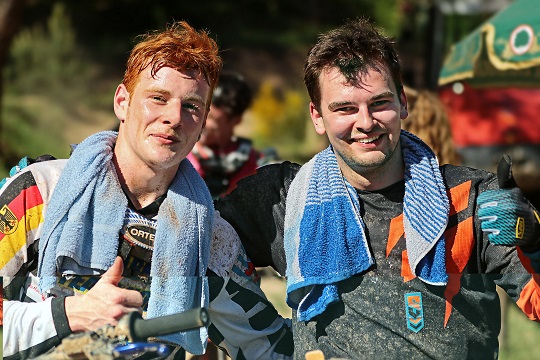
x=124, y=297
x=96, y=309
x=114, y=274
x=504, y=173
x=105, y=303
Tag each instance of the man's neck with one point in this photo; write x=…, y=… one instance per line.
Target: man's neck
x=376, y=178
x=143, y=184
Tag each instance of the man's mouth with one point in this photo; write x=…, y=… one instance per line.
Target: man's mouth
x=368, y=140
x=165, y=136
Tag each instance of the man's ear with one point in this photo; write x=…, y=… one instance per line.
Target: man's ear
x=317, y=119
x=403, y=112
x=121, y=102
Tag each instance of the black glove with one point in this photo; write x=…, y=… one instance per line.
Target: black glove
x=506, y=215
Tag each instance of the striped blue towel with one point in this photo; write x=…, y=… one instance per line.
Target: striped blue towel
x=325, y=240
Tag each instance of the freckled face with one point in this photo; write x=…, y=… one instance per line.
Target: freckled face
x=162, y=118
x=363, y=124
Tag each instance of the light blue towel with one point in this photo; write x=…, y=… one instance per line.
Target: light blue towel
x=88, y=204
x=325, y=240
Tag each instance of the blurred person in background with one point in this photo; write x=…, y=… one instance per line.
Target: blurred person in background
x=221, y=157
x=429, y=121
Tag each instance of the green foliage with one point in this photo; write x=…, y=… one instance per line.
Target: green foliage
x=387, y=15
x=33, y=126
x=48, y=85
x=45, y=60
x=279, y=120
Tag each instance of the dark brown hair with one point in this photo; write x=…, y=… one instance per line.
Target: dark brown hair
x=354, y=48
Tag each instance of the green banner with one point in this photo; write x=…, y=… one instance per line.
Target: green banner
x=504, y=51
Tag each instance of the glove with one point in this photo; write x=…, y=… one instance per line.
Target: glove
x=506, y=215
x=24, y=162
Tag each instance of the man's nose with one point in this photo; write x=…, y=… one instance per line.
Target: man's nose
x=364, y=119
x=173, y=114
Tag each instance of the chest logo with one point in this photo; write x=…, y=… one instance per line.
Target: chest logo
x=8, y=221
x=414, y=311
x=140, y=235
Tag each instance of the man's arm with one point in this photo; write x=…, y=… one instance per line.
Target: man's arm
x=35, y=322
x=29, y=328
x=243, y=322
x=30, y=318
x=508, y=219
x=256, y=210
x=33, y=328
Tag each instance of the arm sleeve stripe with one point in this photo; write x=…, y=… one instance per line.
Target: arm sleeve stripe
x=16, y=187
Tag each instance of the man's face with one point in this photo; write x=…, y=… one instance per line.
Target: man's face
x=363, y=124
x=219, y=128
x=162, y=118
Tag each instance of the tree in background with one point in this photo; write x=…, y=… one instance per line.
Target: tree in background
x=10, y=18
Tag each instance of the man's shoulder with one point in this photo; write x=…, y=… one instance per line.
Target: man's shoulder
x=281, y=172
x=455, y=175
x=42, y=174
x=225, y=247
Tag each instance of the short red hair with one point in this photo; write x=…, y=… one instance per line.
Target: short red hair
x=180, y=47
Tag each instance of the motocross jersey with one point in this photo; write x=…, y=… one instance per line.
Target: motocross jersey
x=222, y=170
x=385, y=311
x=243, y=322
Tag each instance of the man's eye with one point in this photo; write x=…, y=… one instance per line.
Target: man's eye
x=192, y=107
x=346, y=109
x=159, y=98
x=379, y=103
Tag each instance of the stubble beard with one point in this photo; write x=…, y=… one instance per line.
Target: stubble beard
x=366, y=165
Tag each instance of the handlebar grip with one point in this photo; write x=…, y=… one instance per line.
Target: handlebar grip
x=141, y=329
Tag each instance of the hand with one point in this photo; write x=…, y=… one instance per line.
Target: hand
x=105, y=303
x=506, y=215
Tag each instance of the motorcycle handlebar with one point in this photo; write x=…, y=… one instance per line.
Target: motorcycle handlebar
x=140, y=329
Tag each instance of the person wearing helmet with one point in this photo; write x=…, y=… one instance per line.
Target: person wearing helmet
x=221, y=157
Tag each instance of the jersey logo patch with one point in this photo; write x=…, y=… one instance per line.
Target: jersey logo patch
x=414, y=311
x=138, y=230
x=140, y=235
x=8, y=221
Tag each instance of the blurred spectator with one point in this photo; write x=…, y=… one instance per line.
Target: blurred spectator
x=429, y=121
x=219, y=156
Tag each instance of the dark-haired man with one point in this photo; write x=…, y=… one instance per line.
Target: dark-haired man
x=386, y=254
